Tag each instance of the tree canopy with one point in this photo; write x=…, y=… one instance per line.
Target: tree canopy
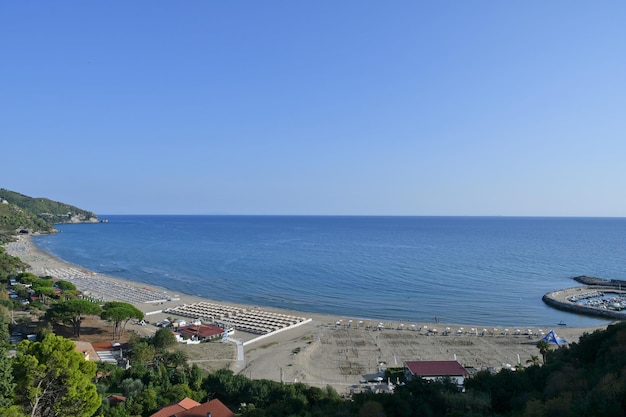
x=72, y=312
x=53, y=379
x=120, y=314
x=163, y=339
x=10, y=265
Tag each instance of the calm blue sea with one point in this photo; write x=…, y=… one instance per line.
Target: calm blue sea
x=488, y=271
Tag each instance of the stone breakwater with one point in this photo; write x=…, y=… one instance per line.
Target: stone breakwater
x=572, y=299
x=586, y=280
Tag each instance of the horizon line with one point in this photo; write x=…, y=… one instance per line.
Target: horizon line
x=369, y=215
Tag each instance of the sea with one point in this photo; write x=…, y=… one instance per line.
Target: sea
x=483, y=270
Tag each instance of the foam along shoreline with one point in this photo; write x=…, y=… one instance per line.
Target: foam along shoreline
x=318, y=349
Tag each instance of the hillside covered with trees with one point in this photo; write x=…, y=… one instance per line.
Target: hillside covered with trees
x=19, y=212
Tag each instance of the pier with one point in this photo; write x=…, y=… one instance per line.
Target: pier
x=590, y=299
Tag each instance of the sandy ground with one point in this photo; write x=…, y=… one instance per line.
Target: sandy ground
x=336, y=351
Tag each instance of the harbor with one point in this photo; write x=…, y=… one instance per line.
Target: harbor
x=599, y=297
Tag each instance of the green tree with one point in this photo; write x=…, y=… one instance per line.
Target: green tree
x=132, y=387
x=27, y=278
x=148, y=400
x=43, y=288
x=534, y=360
x=544, y=348
x=177, y=392
x=72, y=312
x=21, y=291
x=65, y=286
x=142, y=352
x=13, y=411
x=195, y=377
x=175, y=359
x=43, y=330
x=4, y=325
x=53, y=379
x=120, y=314
x=10, y=265
x=6, y=380
x=163, y=339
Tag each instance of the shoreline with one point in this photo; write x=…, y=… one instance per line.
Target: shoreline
x=326, y=350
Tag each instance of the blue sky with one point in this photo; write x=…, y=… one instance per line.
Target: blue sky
x=325, y=107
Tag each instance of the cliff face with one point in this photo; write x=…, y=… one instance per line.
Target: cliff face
x=83, y=219
x=69, y=218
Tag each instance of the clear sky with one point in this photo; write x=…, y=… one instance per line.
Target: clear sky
x=316, y=107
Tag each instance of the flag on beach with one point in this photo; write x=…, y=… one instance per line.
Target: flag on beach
x=551, y=337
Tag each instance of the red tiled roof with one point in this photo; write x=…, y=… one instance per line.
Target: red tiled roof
x=115, y=400
x=436, y=368
x=108, y=346
x=215, y=407
x=204, y=330
x=176, y=408
x=188, y=403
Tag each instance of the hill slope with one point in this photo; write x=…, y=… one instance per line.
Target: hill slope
x=48, y=210
x=20, y=213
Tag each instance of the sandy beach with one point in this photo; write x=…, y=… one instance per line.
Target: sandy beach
x=325, y=350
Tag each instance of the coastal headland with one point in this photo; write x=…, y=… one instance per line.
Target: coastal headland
x=292, y=346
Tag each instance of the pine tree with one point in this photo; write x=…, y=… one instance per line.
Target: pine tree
x=6, y=380
x=54, y=380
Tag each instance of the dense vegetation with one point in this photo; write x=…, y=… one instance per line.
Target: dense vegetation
x=14, y=219
x=588, y=378
x=21, y=212
x=10, y=266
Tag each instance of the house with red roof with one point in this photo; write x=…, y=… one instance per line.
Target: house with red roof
x=115, y=400
x=190, y=408
x=437, y=370
x=213, y=408
x=176, y=408
x=204, y=331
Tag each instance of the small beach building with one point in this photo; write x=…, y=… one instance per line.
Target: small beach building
x=202, y=332
x=437, y=370
x=179, y=323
